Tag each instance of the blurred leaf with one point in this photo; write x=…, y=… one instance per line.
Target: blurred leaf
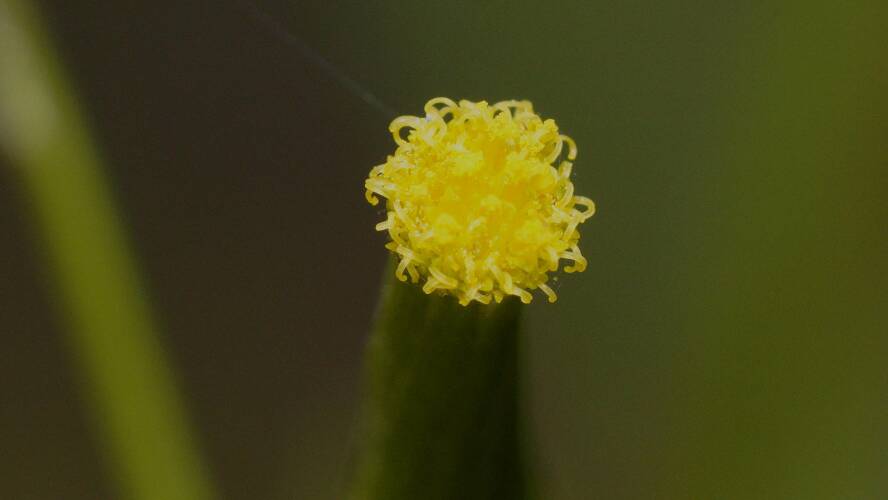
x=138, y=413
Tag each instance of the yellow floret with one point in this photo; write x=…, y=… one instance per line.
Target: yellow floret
x=476, y=206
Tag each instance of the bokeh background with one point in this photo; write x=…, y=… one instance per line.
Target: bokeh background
x=728, y=341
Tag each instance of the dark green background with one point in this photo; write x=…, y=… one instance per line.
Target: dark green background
x=728, y=340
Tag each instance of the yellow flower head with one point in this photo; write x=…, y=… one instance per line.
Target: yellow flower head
x=476, y=205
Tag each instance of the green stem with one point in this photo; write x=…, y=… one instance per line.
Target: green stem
x=126, y=377
x=442, y=412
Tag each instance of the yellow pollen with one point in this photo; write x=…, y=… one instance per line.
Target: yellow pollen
x=479, y=200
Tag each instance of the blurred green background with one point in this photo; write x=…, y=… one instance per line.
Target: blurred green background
x=728, y=341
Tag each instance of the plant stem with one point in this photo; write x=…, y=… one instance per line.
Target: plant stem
x=442, y=411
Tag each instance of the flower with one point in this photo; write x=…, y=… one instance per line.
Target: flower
x=476, y=206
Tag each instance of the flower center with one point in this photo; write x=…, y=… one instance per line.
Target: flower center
x=475, y=203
